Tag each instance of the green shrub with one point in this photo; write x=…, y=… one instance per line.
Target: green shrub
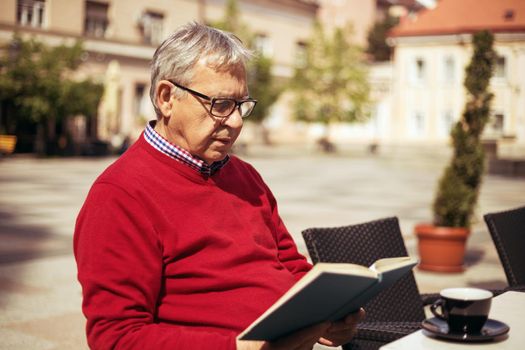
x=458, y=188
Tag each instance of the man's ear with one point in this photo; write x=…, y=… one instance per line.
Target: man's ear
x=164, y=98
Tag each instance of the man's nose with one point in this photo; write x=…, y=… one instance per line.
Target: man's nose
x=234, y=120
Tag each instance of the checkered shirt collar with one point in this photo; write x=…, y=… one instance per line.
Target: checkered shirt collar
x=164, y=146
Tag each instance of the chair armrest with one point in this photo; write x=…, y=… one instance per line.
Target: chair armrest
x=517, y=288
x=385, y=331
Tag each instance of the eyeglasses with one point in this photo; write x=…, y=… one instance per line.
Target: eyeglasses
x=223, y=107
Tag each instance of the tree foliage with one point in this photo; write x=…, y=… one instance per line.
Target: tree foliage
x=459, y=186
x=377, y=36
x=261, y=82
x=36, y=87
x=331, y=86
x=232, y=23
x=262, y=86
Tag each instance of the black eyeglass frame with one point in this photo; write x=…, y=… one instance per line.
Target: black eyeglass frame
x=213, y=100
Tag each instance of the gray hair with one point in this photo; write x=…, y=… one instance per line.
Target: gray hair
x=176, y=57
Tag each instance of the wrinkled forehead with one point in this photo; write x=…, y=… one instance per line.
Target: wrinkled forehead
x=236, y=69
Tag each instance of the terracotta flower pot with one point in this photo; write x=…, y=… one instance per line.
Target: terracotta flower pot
x=441, y=249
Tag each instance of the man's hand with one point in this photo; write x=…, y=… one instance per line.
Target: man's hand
x=342, y=332
x=303, y=339
x=329, y=334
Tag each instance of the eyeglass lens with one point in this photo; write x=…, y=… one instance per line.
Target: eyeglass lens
x=225, y=107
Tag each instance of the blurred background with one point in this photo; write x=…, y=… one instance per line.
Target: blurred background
x=404, y=66
x=357, y=101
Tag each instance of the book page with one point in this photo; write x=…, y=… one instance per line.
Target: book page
x=391, y=270
x=387, y=264
x=344, y=268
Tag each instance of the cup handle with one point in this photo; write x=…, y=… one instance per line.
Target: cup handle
x=439, y=304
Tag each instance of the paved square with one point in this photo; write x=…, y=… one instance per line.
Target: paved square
x=40, y=198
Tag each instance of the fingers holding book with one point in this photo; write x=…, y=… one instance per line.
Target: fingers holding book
x=343, y=331
x=326, y=333
x=303, y=339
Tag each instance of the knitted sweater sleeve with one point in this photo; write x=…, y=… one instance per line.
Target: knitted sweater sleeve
x=119, y=259
x=288, y=253
x=289, y=256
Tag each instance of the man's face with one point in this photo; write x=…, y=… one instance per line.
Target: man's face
x=191, y=126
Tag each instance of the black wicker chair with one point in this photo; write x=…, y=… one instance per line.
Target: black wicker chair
x=393, y=313
x=507, y=229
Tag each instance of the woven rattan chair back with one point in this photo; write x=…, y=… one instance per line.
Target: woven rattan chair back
x=363, y=244
x=507, y=229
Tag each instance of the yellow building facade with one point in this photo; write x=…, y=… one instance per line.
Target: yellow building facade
x=431, y=54
x=120, y=37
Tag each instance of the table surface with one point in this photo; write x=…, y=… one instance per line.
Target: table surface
x=508, y=307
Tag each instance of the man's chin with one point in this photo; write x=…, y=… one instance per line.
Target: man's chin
x=216, y=155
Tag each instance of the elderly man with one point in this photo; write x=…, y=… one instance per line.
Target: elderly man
x=179, y=245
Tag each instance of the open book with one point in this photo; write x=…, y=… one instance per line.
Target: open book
x=328, y=292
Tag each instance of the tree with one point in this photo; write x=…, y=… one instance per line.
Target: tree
x=331, y=86
x=262, y=86
x=231, y=22
x=459, y=186
x=377, y=45
x=38, y=91
x=261, y=82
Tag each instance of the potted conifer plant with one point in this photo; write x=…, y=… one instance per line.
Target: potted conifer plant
x=442, y=244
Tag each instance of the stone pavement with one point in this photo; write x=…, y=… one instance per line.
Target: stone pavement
x=39, y=199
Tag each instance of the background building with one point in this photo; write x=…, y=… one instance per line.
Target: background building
x=416, y=96
x=362, y=14
x=432, y=50
x=120, y=37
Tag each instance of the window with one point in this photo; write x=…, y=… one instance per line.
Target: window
x=501, y=67
x=509, y=15
x=449, y=70
x=420, y=70
x=96, y=21
x=497, y=122
x=417, y=71
x=30, y=13
x=140, y=101
x=263, y=45
x=495, y=125
x=300, y=54
x=419, y=121
x=152, y=27
x=417, y=124
x=446, y=123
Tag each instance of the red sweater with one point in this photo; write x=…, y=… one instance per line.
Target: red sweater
x=171, y=259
